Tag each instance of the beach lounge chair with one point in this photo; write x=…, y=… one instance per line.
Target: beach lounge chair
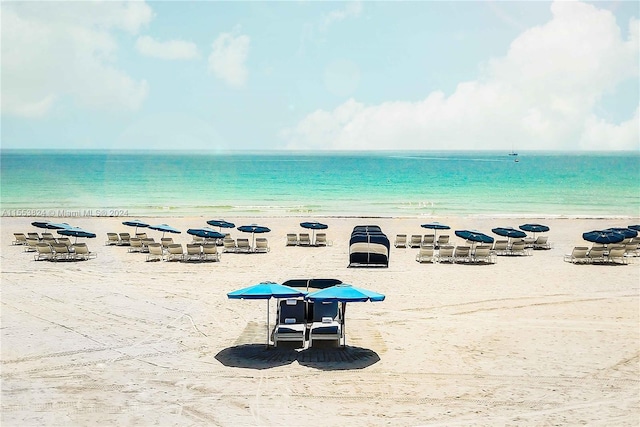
x=43, y=252
x=445, y=254
x=401, y=241
x=616, y=255
x=141, y=235
x=529, y=242
x=596, y=255
x=33, y=236
x=484, y=255
x=631, y=250
x=112, y=239
x=428, y=240
x=442, y=240
x=135, y=244
x=48, y=236
x=462, y=254
x=326, y=322
x=210, y=252
x=31, y=244
x=292, y=239
x=20, y=239
x=500, y=247
x=166, y=241
x=175, y=252
x=81, y=252
x=124, y=239
x=243, y=246
x=197, y=240
x=541, y=243
x=61, y=252
x=65, y=241
x=416, y=241
x=578, y=255
x=292, y=324
x=194, y=252
x=155, y=252
x=145, y=244
x=517, y=248
x=321, y=239
x=229, y=245
x=425, y=254
x=262, y=245
x=304, y=239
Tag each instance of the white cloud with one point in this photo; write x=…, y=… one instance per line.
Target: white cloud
x=228, y=58
x=56, y=50
x=351, y=9
x=542, y=94
x=172, y=49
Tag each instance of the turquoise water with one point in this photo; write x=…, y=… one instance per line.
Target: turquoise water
x=48, y=183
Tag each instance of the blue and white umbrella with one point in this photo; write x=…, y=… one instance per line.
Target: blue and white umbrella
x=76, y=232
x=634, y=227
x=165, y=229
x=206, y=233
x=135, y=223
x=603, y=236
x=345, y=293
x=509, y=232
x=266, y=290
x=313, y=226
x=253, y=228
x=50, y=225
x=626, y=232
x=474, y=236
x=435, y=226
x=534, y=228
x=220, y=223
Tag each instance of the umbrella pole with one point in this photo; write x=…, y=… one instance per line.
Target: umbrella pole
x=268, y=323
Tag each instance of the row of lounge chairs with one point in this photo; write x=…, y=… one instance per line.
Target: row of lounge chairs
x=176, y=252
x=299, y=319
x=482, y=254
x=303, y=239
x=418, y=240
x=61, y=252
x=242, y=245
x=615, y=254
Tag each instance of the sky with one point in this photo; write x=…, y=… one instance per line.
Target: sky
x=307, y=75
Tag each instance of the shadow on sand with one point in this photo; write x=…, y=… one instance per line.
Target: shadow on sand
x=259, y=356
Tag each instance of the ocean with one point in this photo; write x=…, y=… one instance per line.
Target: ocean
x=429, y=184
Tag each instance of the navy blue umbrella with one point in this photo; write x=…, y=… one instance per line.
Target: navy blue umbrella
x=253, y=228
x=221, y=223
x=534, y=228
x=435, y=226
x=603, y=236
x=50, y=225
x=135, y=223
x=509, y=232
x=474, y=236
x=205, y=232
x=314, y=226
x=266, y=290
x=634, y=227
x=626, y=232
x=76, y=232
x=345, y=293
x=165, y=229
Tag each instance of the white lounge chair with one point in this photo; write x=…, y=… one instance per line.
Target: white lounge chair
x=43, y=252
x=292, y=239
x=616, y=255
x=194, y=252
x=428, y=240
x=325, y=324
x=483, y=254
x=175, y=252
x=292, y=324
x=20, y=239
x=416, y=241
x=112, y=239
x=425, y=254
x=31, y=244
x=304, y=239
x=401, y=241
x=81, y=252
x=229, y=245
x=462, y=254
x=210, y=252
x=135, y=244
x=61, y=252
x=155, y=252
x=596, y=255
x=578, y=255
x=445, y=254
x=541, y=243
x=262, y=245
x=243, y=246
x=442, y=240
x=321, y=239
x=124, y=239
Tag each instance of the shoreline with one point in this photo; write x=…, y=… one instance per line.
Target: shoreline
x=117, y=340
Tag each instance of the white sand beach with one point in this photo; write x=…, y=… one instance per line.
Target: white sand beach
x=116, y=340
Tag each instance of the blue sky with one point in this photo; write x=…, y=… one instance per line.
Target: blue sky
x=321, y=75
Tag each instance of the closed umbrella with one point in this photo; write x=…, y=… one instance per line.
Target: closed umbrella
x=603, y=236
x=435, y=226
x=266, y=290
x=314, y=226
x=253, y=228
x=345, y=293
x=165, y=229
x=135, y=223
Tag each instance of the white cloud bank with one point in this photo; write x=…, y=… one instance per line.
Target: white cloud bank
x=171, y=50
x=542, y=95
x=54, y=50
x=228, y=57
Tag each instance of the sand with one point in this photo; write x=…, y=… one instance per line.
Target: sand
x=120, y=341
